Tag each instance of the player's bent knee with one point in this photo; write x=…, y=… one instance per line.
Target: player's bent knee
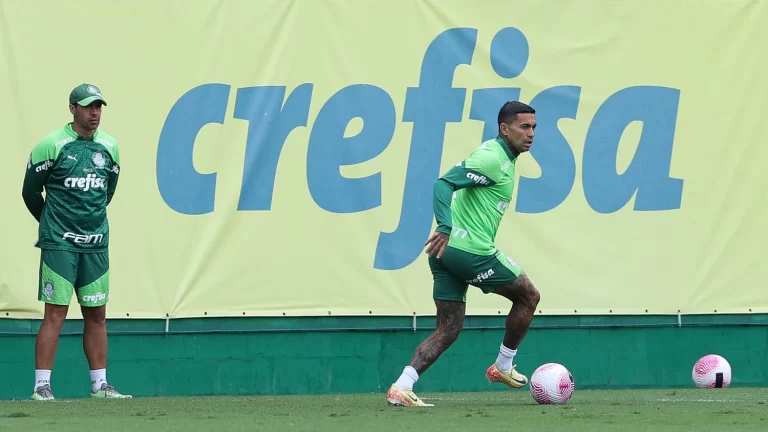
x=527, y=292
x=452, y=334
x=448, y=337
x=534, y=296
x=531, y=295
x=448, y=334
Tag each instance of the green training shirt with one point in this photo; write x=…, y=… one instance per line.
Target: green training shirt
x=471, y=198
x=79, y=176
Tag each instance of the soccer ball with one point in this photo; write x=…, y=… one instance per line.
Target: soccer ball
x=711, y=371
x=551, y=383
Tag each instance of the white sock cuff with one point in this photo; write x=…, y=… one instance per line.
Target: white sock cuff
x=506, y=351
x=42, y=377
x=98, y=375
x=411, y=372
x=408, y=378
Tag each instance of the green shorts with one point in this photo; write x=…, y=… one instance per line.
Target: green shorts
x=456, y=270
x=62, y=272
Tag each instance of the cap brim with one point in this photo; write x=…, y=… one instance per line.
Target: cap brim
x=89, y=100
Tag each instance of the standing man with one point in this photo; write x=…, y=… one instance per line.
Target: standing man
x=78, y=166
x=469, y=202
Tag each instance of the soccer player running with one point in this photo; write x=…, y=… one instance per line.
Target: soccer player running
x=469, y=202
x=78, y=166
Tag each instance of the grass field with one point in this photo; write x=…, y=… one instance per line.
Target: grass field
x=598, y=410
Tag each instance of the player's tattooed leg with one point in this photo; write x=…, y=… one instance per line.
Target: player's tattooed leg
x=525, y=297
x=450, y=321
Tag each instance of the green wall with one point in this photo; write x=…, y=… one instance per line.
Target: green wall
x=344, y=355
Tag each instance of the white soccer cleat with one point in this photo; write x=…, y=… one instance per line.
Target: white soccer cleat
x=404, y=397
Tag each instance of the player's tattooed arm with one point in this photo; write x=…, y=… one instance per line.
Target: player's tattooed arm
x=450, y=321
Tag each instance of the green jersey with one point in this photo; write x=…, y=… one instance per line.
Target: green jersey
x=472, y=197
x=79, y=176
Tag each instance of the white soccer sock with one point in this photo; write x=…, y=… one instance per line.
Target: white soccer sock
x=504, y=360
x=408, y=378
x=42, y=377
x=98, y=377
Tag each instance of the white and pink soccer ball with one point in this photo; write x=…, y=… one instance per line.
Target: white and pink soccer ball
x=712, y=371
x=552, y=384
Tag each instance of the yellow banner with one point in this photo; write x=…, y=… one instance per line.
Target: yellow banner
x=278, y=156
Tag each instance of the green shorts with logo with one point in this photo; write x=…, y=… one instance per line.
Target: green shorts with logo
x=64, y=272
x=456, y=270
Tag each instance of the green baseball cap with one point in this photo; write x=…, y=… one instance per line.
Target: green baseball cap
x=85, y=94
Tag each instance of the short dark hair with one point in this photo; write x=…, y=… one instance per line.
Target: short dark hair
x=509, y=111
